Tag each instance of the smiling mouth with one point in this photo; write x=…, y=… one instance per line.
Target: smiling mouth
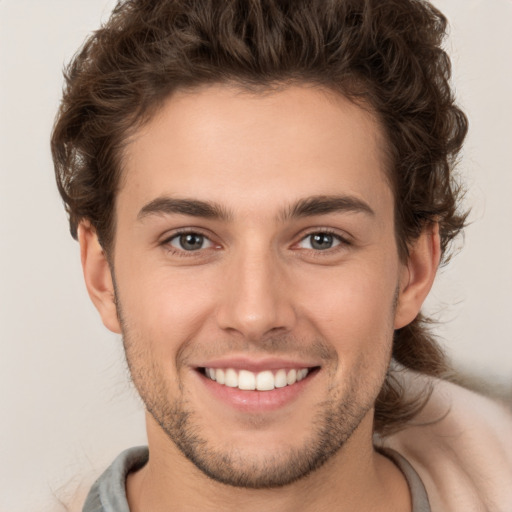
x=266, y=380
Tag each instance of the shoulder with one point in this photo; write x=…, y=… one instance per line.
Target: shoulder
x=461, y=445
x=108, y=490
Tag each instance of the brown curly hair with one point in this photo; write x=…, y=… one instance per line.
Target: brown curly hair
x=385, y=55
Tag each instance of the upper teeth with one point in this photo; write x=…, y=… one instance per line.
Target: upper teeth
x=262, y=381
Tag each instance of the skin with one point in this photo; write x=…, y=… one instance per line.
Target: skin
x=257, y=290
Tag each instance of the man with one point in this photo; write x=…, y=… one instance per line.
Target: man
x=263, y=192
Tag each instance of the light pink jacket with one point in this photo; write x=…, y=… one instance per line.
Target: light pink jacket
x=464, y=459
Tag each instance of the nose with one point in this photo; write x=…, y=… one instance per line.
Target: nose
x=255, y=297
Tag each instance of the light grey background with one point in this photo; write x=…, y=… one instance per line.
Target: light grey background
x=66, y=405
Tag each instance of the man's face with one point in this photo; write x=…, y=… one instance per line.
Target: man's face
x=255, y=246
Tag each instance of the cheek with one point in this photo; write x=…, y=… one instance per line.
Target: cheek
x=354, y=307
x=166, y=308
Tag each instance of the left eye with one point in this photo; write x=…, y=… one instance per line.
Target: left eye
x=319, y=241
x=190, y=242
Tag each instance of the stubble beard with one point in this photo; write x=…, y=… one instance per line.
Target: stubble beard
x=334, y=421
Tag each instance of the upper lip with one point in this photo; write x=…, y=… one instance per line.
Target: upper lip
x=256, y=364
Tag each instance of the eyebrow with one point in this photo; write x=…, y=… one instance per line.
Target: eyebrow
x=192, y=207
x=323, y=205
x=307, y=207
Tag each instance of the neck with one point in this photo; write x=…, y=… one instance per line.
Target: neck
x=356, y=478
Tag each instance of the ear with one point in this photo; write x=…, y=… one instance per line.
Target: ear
x=418, y=275
x=98, y=277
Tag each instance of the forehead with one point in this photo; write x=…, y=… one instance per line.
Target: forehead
x=252, y=150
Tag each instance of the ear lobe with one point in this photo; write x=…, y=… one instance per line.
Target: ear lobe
x=97, y=275
x=418, y=275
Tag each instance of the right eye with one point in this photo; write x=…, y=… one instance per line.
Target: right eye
x=189, y=242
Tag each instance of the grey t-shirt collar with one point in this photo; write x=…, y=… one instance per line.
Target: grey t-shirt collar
x=108, y=494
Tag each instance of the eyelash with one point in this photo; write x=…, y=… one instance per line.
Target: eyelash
x=166, y=243
x=343, y=243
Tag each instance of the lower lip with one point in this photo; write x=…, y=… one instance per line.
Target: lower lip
x=257, y=401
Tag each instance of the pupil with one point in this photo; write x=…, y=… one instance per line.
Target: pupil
x=191, y=242
x=321, y=241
